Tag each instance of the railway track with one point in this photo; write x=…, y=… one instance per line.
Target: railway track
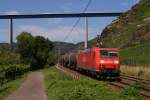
x=124, y=83
x=127, y=81
x=72, y=73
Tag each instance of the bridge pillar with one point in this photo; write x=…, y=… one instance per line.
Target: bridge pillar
x=86, y=33
x=11, y=34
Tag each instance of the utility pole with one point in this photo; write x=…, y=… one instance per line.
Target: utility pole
x=86, y=33
x=11, y=34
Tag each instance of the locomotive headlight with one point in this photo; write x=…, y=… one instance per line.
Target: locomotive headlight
x=102, y=61
x=116, y=62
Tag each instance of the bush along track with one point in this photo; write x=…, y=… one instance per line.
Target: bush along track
x=11, y=72
x=61, y=86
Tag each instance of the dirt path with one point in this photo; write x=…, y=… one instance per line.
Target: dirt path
x=31, y=89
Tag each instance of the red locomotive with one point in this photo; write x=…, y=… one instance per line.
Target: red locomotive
x=101, y=62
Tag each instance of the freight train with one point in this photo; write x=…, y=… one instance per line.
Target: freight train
x=103, y=63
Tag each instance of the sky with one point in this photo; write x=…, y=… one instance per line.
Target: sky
x=56, y=29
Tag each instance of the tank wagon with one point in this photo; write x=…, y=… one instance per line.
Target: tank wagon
x=100, y=62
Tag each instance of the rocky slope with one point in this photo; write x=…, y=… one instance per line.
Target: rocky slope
x=130, y=29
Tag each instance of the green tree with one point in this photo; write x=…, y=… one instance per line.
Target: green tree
x=52, y=59
x=42, y=48
x=33, y=50
x=25, y=46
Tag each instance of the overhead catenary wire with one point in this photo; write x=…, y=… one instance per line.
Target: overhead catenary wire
x=77, y=21
x=75, y=24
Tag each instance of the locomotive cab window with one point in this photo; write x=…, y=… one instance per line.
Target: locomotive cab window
x=107, y=53
x=104, y=53
x=113, y=54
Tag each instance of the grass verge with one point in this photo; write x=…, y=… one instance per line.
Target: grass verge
x=136, y=56
x=60, y=86
x=138, y=71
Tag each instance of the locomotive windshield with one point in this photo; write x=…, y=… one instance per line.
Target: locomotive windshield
x=108, y=53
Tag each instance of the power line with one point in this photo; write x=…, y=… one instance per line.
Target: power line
x=76, y=23
x=88, y=4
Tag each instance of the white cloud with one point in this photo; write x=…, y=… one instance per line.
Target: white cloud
x=12, y=12
x=57, y=34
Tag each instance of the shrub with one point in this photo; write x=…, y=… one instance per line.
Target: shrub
x=132, y=92
x=11, y=72
x=7, y=57
x=51, y=60
x=16, y=70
